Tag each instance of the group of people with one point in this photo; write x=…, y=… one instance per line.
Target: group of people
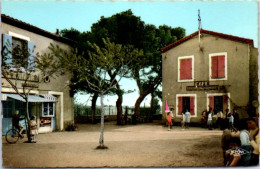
x=241, y=147
x=223, y=118
x=32, y=125
x=184, y=122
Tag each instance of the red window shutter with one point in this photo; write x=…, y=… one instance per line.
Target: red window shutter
x=225, y=100
x=179, y=105
x=221, y=66
x=185, y=69
x=192, y=105
x=211, y=102
x=214, y=67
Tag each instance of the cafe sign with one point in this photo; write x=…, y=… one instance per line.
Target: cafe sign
x=203, y=85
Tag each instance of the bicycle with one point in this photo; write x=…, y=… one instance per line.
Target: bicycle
x=12, y=136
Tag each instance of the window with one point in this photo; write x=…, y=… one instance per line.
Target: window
x=186, y=102
x=48, y=109
x=185, y=68
x=218, y=102
x=218, y=66
x=17, y=52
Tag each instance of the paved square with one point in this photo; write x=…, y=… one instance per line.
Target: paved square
x=142, y=145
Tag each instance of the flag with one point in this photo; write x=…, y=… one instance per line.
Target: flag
x=166, y=107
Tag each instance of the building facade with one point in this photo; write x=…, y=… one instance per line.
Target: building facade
x=213, y=70
x=50, y=100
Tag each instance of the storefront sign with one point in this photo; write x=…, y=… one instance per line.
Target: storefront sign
x=22, y=76
x=31, y=85
x=203, y=85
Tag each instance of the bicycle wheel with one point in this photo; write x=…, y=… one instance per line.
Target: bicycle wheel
x=12, y=136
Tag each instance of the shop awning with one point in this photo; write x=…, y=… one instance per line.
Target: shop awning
x=49, y=97
x=31, y=98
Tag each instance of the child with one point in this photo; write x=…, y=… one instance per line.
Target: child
x=232, y=155
x=33, y=129
x=169, y=120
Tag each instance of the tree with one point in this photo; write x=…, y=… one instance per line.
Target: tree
x=102, y=71
x=126, y=28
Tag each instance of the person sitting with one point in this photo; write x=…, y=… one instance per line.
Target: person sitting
x=254, y=140
x=15, y=120
x=33, y=129
x=231, y=155
x=243, y=135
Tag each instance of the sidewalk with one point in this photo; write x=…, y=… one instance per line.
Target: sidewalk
x=143, y=145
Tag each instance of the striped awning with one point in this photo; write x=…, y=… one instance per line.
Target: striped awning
x=49, y=97
x=31, y=98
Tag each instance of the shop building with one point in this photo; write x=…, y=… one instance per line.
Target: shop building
x=211, y=70
x=49, y=101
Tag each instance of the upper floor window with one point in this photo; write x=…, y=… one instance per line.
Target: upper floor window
x=17, y=53
x=218, y=66
x=185, y=68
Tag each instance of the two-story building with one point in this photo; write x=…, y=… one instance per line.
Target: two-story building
x=50, y=100
x=210, y=69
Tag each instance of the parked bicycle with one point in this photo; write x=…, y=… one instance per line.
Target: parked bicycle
x=12, y=136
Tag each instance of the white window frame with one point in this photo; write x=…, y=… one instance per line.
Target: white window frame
x=186, y=95
x=210, y=66
x=218, y=94
x=48, y=110
x=19, y=36
x=179, y=68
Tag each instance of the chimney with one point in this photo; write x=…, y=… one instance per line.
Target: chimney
x=57, y=32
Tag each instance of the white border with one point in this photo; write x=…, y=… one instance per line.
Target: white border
x=186, y=57
x=18, y=36
x=195, y=104
x=61, y=107
x=226, y=65
x=218, y=94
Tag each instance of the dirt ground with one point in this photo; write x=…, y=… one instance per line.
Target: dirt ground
x=142, y=145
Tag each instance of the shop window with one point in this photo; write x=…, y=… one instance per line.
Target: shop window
x=185, y=72
x=218, y=67
x=218, y=103
x=17, y=53
x=48, y=109
x=7, y=109
x=186, y=103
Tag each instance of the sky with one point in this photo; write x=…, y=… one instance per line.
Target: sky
x=238, y=18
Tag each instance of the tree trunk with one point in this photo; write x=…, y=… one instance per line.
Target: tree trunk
x=119, y=108
x=151, y=107
x=101, y=139
x=27, y=121
x=140, y=99
x=93, y=107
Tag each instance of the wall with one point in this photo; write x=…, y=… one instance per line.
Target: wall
x=237, y=83
x=60, y=83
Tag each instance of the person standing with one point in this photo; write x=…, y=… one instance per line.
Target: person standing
x=231, y=120
x=209, y=118
x=169, y=120
x=172, y=116
x=183, y=120
x=187, y=119
x=33, y=129
x=236, y=117
x=220, y=118
x=204, y=119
